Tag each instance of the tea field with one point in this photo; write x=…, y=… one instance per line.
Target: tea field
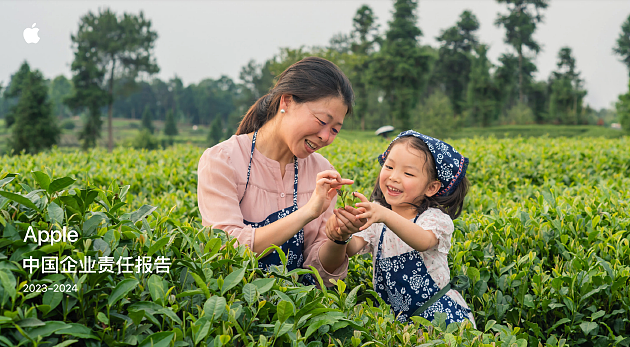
x=544, y=238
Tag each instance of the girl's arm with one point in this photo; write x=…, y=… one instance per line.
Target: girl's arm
x=412, y=234
x=408, y=231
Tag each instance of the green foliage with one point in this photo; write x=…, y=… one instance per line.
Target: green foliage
x=147, y=119
x=91, y=131
x=215, y=135
x=520, y=24
x=170, y=126
x=565, y=103
x=507, y=77
x=105, y=43
x=435, y=117
x=35, y=128
x=622, y=46
x=365, y=39
x=623, y=110
x=452, y=68
x=59, y=89
x=14, y=90
x=482, y=93
x=402, y=67
x=207, y=289
x=520, y=115
x=543, y=236
x=68, y=124
x=144, y=139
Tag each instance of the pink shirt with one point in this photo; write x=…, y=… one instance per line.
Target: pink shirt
x=222, y=174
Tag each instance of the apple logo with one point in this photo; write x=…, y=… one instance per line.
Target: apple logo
x=30, y=34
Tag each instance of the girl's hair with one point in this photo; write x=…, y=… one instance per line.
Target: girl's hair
x=451, y=204
x=310, y=79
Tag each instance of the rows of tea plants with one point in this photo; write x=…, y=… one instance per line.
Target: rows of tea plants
x=544, y=238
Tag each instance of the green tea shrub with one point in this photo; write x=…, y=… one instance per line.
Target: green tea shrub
x=544, y=237
x=191, y=285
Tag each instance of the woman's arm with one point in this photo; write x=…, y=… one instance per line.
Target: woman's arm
x=219, y=203
x=332, y=254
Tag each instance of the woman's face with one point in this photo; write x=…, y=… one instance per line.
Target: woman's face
x=310, y=126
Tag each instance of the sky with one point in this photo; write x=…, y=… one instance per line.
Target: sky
x=207, y=39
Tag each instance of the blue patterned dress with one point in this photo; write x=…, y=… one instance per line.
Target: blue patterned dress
x=404, y=282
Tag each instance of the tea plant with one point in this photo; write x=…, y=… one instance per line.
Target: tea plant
x=544, y=237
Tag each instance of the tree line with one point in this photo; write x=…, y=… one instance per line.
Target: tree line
x=397, y=79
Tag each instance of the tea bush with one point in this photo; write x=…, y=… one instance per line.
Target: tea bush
x=544, y=238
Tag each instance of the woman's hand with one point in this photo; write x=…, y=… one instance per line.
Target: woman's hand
x=373, y=213
x=347, y=222
x=332, y=229
x=326, y=186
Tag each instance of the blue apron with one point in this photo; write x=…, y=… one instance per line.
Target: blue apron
x=294, y=247
x=404, y=283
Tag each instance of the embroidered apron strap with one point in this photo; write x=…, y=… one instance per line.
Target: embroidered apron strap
x=249, y=168
x=295, y=181
x=465, y=283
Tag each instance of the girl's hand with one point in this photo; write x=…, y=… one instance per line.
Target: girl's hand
x=373, y=213
x=346, y=220
x=326, y=186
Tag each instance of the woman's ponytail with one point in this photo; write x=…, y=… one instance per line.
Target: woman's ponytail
x=256, y=116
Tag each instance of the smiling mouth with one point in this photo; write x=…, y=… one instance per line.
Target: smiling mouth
x=311, y=145
x=393, y=190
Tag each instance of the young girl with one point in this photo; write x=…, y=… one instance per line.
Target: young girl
x=408, y=226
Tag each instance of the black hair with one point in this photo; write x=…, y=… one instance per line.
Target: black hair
x=451, y=204
x=310, y=79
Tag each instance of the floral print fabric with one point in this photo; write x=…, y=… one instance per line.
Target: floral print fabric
x=435, y=260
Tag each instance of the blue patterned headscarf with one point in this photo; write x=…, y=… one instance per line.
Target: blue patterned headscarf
x=449, y=164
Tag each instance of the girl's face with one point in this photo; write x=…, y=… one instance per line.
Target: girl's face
x=404, y=178
x=310, y=126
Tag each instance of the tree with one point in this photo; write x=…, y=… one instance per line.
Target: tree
x=538, y=100
x=452, y=68
x=481, y=96
x=365, y=39
x=435, y=116
x=121, y=47
x=170, y=126
x=622, y=48
x=87, y=93
x=507, y=76
x=60, y=88
x=147, y=119
x=567, y=93
x=401, y=67
x=14, y=90
x=520, y=25
x=35, y=127
x=623, y=110
x=216, y=132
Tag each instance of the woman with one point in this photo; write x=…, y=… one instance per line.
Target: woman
x=266, y=185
